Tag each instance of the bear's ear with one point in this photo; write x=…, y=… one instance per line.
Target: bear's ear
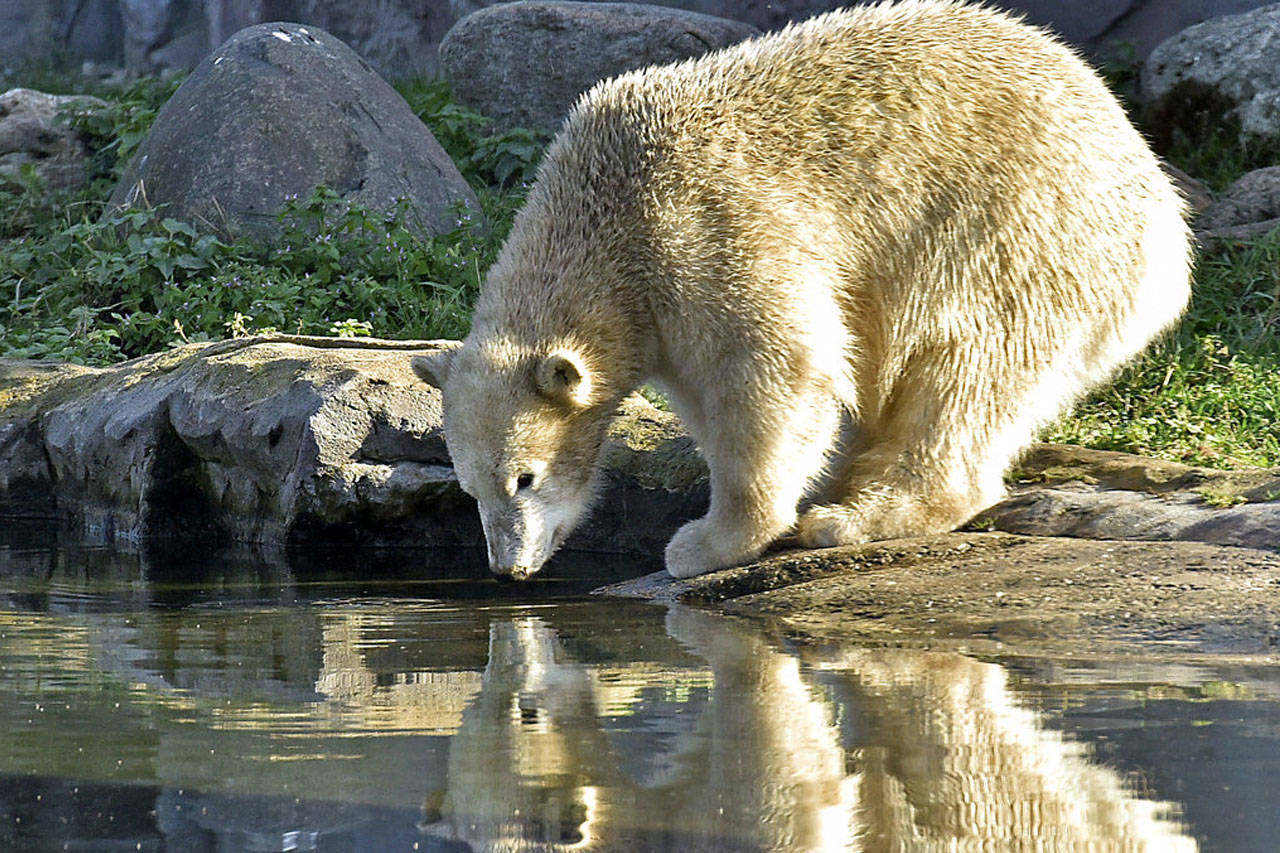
x=561, y=377
x=434, y=369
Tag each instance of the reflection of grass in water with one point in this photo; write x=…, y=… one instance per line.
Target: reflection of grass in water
x=1208, y=394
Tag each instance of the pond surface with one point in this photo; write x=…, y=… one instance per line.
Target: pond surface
x=202, y=702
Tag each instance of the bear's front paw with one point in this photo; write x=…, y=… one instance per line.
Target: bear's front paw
x=700, y=547
x=688, y=552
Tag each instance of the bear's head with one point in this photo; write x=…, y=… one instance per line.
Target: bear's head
x=524, y=430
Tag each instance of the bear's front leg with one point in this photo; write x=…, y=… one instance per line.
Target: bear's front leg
x=703, y=546
x=761, y=460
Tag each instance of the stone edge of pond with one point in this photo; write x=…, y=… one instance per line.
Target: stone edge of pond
x=1006, y=594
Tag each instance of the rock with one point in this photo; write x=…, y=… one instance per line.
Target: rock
x=1139, y=25
x=27, y=30
x=24, y=467
x=163, y=34
x=1093, y=512
x=32, y=132
x=1253, y=200
x=1092, y=494
x=1237, y=232
x=397, y=37
x=249, y=443
x=993, y=592
x=286, y=441
x=400, y=37
x=278, y=109
x=1229, y=64
x=523, y=64
x=1053, y=465
x=1198, y=195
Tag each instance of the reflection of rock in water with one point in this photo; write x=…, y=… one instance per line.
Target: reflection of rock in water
x=943, y=758
x=369, y=681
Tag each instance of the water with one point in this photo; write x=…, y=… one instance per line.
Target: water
x=201, y=702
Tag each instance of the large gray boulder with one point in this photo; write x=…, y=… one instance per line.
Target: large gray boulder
x=35, y=30
x=278, y=109
x=164, y=33
x=524, y=64
x=1231, y=61
x=1091, y=24
x=400, y=37
x=1247, y=208
x=34, y=133
x=1099, y=25
x=397, y=37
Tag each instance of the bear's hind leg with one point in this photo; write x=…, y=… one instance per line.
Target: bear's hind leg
x=890, y=497
x=927, y=465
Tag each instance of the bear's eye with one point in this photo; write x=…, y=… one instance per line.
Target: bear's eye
x=524, y=481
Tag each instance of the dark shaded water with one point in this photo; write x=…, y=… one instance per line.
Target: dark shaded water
x=199, y=702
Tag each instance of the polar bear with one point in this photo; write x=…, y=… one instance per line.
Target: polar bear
x=865, y=257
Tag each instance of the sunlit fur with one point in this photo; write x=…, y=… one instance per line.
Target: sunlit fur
x=865, y=256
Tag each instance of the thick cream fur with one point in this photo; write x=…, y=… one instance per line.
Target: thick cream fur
x=866, y=256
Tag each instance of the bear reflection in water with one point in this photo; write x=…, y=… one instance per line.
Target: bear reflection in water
x=862, y=749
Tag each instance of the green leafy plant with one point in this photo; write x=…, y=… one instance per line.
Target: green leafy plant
x=146, y=281
x=351, y=328
x=80, y=287
x=500, y=160
x=114, y=132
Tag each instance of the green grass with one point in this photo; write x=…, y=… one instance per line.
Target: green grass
x=1209, y=393
x=80, y=287
x=74, y=287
